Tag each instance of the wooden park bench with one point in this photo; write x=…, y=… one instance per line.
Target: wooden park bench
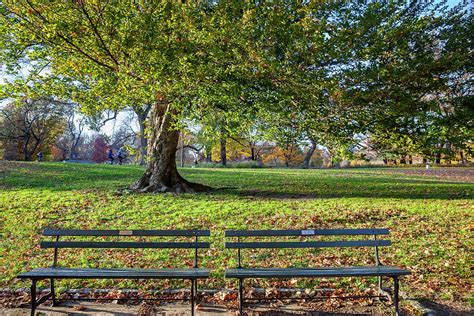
x=57, y=272
x=377, y=269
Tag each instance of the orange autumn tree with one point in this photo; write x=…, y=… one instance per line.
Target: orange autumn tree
x=290, y=155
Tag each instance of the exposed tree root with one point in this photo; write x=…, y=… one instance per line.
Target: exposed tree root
x=175, y=185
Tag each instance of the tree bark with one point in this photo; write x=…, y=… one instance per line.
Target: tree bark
x=438, y=158
x=209, y=154
x=25, y=150
x=73, y=152
x=141, y=118
x=161, y=174
x=223, y=149
x=309, y=154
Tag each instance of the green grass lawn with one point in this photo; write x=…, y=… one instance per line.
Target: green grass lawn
x=430, y=219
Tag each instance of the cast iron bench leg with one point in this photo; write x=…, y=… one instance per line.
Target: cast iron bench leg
x=196, y=289
x=192, y=296
x=53, y=294
x=395, y=295
x=33, y=296
x=241, y=297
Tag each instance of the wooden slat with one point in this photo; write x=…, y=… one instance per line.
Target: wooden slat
x=307, y=232
x=309, y=244
x=124, y=232
x=125, y=273
x=107, y=244
x=315, y=272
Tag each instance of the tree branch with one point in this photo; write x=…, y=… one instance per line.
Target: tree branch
x=96, y=32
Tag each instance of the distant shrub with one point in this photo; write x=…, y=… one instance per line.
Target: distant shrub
x=208, y=165
x=246, y=164
x=237, y=165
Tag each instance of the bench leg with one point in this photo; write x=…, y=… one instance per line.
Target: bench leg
x=33, y=297
x=53, y=294
x=192, y=296
x=196, y=289
x=241, y=297
x=395, y=295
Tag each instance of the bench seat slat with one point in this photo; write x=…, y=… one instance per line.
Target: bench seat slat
x=120, y=244
x=307, y=232
x=315, y=272
x=108, y=232
x=308, y=244
x=80, y=273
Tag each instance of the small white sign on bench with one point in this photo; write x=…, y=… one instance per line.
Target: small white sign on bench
x=307, y=232
x=126, y=232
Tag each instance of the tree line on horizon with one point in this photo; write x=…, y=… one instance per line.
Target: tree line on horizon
x=62, y=133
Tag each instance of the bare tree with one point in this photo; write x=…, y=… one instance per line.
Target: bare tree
x=121, y=137
x=69, y=142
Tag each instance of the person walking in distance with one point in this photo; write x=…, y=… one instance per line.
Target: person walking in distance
x=110, y=155
x=120, y=155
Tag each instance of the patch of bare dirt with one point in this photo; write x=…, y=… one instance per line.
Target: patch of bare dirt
x=459, y=174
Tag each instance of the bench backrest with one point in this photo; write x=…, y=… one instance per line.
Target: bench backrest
x=240, y=234
x=61, y=233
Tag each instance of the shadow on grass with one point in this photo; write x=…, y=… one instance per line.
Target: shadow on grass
x=441, y=309
x=307, y=313
x=248, y=183
x=322, y=184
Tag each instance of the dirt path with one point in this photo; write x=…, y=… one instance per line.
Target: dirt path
x=458, y=174
x=175, y=309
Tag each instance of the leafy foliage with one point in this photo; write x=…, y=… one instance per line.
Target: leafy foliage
x=336, y=68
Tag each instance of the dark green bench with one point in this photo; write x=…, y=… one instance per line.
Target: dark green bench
x=57, y=272
x=377, y=269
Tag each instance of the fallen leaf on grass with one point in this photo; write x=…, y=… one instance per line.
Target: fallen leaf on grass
x=79, y=308
x=198, y=307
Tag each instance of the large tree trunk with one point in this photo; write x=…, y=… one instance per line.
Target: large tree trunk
x=161, y=174
x=309, y=154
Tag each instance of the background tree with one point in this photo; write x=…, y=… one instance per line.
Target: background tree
x=31, y=124
x=99, y=151
x=68, y=143
x=413, y=82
